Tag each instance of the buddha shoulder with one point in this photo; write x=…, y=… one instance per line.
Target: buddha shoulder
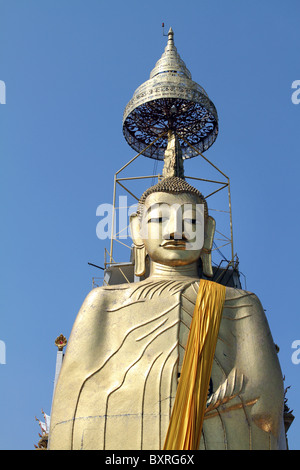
x=239, y=303
x=246, y=315
x=107, y=297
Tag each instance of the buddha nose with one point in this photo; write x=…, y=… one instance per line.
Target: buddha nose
x=174, y=227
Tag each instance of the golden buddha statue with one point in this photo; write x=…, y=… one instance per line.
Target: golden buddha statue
x=120, y=373
x=174, y=361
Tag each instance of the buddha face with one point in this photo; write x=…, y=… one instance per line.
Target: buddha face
x=172, y=228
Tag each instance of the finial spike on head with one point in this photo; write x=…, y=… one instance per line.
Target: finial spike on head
x=171, y=37
x=173, y=161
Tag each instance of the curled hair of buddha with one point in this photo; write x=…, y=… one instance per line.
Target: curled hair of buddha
x=172, y=185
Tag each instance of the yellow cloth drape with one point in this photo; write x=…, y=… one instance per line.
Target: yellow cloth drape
x=186, y=421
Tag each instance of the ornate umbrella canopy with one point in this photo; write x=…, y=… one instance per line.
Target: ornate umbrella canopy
x=170, y=100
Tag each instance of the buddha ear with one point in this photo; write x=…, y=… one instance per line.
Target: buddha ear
x=139, y=249
x=135, y=229
x=209, y=231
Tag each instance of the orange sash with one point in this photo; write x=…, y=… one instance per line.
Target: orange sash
x=186, y=421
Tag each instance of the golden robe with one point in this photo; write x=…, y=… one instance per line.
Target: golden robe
x=120, y=373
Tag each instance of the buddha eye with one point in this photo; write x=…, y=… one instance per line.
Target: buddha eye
x=158, y=220
x=190, y=221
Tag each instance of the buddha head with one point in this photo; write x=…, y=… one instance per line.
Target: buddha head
x=172, y=226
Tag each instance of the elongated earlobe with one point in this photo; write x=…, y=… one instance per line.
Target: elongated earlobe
x=139, y=260
x=210, y=226
x=138, y=246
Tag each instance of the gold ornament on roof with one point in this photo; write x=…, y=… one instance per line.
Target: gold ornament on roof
x=61, y=342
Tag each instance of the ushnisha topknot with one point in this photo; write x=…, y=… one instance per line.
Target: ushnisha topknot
x=172, y=185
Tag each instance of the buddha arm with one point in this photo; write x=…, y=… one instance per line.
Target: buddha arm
x=257, y=359
x=80, y=358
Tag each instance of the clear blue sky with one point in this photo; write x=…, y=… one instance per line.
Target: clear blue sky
x=70, y=67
